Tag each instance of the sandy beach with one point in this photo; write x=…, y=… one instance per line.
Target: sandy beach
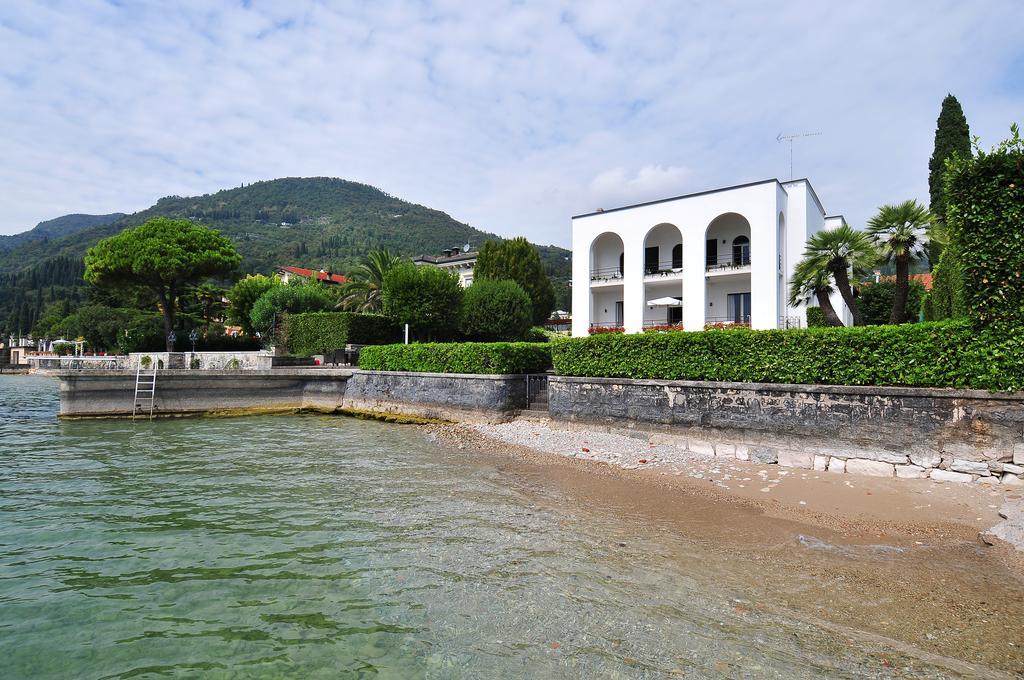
x=909, y=561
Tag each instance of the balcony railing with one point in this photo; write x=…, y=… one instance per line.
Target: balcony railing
x=607, y=327
x=728, y=261
x=663, y=325
x=664, y=268
x=790, y=322
x=605, y=274
x=738, y=321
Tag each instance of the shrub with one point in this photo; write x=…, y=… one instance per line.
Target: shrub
x=984, y=213
x=495, y=310
x=459, y=357
x=518, y=260
x=319, y=332
x=292, y=299
x=816, y=318
x=945, y=354
x=429, y=299
x=876, y=301
x=243, y=295
x=946, y=299
x=539, y=334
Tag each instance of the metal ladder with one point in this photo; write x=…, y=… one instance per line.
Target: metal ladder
x=145, y=390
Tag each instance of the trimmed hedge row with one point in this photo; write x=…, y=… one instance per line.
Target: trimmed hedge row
x=942, y=354
x=319, y=332
x=459, y=357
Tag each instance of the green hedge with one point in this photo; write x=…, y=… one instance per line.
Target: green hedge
x=984, y=212
x=945, y=354
x=459, y=357
x=319, y=332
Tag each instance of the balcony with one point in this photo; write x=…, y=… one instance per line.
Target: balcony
x=736, y=321
x=606, y=275
x=728, y=263
x=667, y=269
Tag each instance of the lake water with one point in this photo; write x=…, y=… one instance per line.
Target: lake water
x=315, y=546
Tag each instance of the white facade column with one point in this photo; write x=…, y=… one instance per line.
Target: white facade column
x=694, y=302
x=633, y=285
x=764, y=270
x=581, y=297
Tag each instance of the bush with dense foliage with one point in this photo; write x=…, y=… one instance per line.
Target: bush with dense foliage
x=459, y=357
x=243, y=295
x=305, y=296
x=876, y=301
x=320, y=332
x=429, y=299
x=816, y=318
x=518, y=260
x=946, y=354
x=984, y=214
x=946, y=298
x=496, y=311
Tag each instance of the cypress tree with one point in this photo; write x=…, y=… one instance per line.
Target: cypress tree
x=952, y=135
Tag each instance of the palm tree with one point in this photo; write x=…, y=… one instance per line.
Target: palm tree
x=363, y=289
x=809, y=281
x=900, y=232
x=837, y=251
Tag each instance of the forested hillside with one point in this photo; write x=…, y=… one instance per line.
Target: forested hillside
x=55, y=228
x=319, y=222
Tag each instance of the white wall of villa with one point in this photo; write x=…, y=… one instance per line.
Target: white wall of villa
x=726, y=255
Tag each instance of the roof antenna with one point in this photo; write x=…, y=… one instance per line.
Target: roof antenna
x=790, y=138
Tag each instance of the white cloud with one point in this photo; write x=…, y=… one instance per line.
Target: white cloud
x=512, y=116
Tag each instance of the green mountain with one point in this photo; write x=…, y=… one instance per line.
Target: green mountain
x=315, y=222
x=55, y=228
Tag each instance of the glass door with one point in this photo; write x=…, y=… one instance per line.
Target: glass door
x=619, y=316
x=739, y=307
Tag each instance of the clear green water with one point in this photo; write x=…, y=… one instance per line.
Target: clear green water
x=322, y=547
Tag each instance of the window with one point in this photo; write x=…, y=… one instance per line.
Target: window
x=675, y=315
x=677, y=256
x=740, y=250
x=619, y=315
x=622, y=263
x=651, y=260
x=712, y=252
x=738, y=305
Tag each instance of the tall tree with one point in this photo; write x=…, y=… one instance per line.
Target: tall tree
x=164, y=256
x=899, y=232
x=518, y=260
x=243, y=295
x=363, y=290
x=429, y=299
x=810, y=280
x=838, y=251
x=952, y=136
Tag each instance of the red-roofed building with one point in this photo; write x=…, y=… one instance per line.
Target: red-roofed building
x=925, y=279
x=286, y=273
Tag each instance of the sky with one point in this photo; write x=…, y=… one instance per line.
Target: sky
x=511, y=116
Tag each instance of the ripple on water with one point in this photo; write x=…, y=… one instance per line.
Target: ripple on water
x=306, y=546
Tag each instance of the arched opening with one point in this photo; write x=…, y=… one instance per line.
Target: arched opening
x=607, y=257
x=728, y=298
x=607, y=266
x=663, y=277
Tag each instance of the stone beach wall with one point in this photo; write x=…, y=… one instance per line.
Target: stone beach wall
x=445, y=396
x=184, y=392
x=947, y=435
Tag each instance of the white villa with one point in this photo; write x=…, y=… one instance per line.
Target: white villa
x=461, y=261
x=716, y=257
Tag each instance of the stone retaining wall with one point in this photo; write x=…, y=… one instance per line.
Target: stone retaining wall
x=446, y=396
x=184, y=392
x=948, y=435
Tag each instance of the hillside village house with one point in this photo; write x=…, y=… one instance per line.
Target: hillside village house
x=462, y=261
x=288, y=273
x=723, y=256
